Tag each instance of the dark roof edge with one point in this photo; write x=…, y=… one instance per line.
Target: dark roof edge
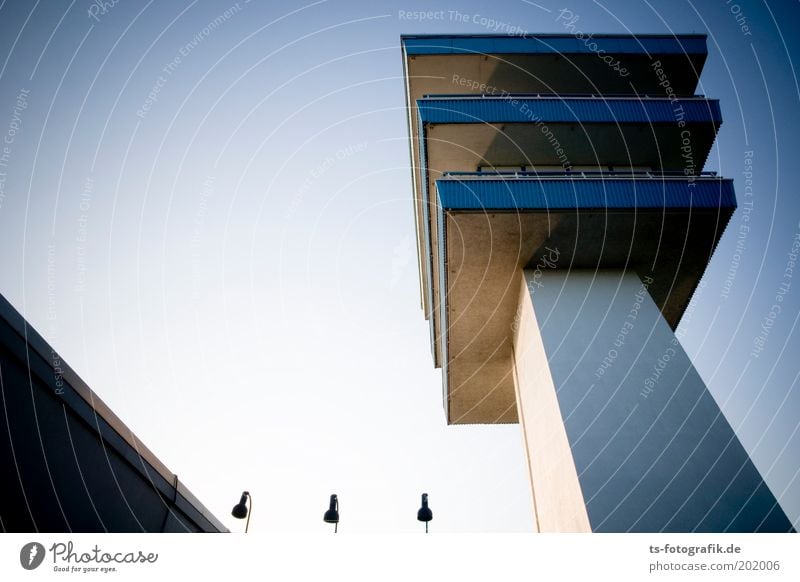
x=36, y=342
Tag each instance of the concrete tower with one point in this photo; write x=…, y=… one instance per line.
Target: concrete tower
x=563, y=222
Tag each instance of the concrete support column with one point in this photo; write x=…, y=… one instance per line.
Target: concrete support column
x=620, y=430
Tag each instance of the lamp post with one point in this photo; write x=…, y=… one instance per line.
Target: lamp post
x=424, y=513
x=332, y=515
x=240, y=510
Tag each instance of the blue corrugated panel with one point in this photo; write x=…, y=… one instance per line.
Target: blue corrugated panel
x=567, y=110
x=554, y=44
x=582, y=193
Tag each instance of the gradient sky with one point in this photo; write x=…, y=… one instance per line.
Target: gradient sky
x=206, y=209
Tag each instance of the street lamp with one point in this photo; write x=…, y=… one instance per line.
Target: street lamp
x=424, y=513
x=332, y=515
x=240, y=509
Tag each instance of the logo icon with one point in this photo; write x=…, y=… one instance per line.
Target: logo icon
x=31, y=555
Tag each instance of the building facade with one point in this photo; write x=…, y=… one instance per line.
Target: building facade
x=563, y=222
x=69, y=463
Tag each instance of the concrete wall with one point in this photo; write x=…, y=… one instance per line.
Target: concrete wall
x=650, y=447
x=557, y=500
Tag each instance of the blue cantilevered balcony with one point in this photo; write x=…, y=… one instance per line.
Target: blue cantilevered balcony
x=554, y=44
x=538, y=62
x=566, y=131
x=583, y=190
x=489, y=226
x=464, y=133
x=565, y=109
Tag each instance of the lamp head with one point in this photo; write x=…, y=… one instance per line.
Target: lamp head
x=240, y=509
x=332, y=515
x=424, y=513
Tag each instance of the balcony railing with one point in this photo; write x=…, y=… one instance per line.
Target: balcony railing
x=584, y=174
x=564, y=96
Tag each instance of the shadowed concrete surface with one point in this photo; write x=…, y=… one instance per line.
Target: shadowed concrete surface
x=642, y=434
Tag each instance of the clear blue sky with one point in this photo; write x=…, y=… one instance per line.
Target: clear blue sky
x=206, y=208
